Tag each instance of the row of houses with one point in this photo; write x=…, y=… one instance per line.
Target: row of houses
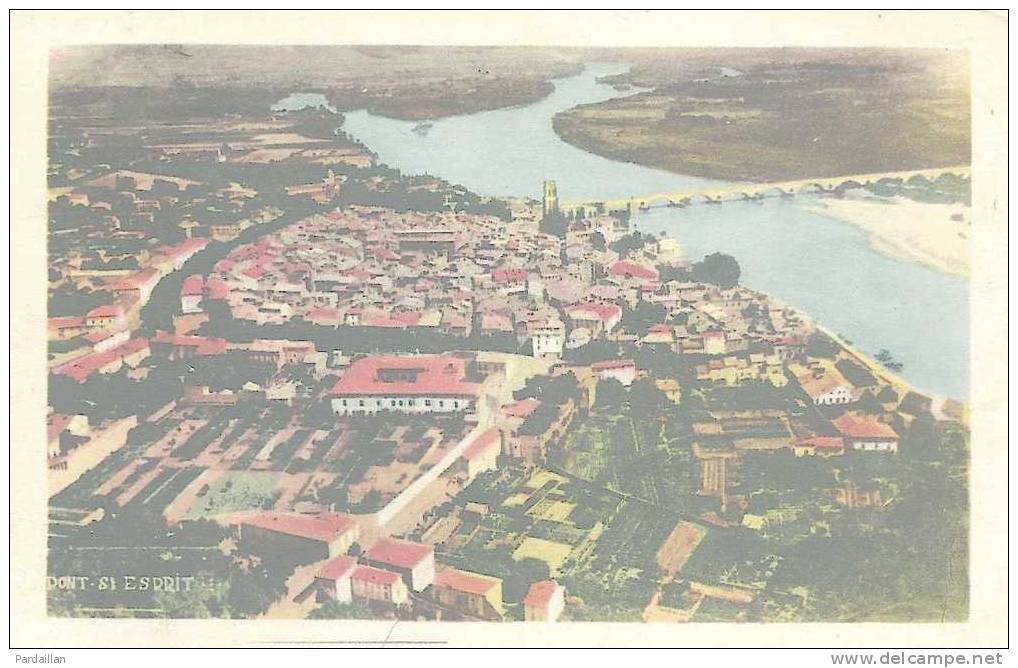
x=391, y=571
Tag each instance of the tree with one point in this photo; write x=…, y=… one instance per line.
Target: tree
x=646, y=401
x=336, y=610
x=554, y=223
x=719, y=269
x=820, y=345
x=597, y=241
x=629, y=242
x=869, y=404
x=611, y=394
x=192, y=602
x=887, y=395
x=856, y=374
x=638, y=320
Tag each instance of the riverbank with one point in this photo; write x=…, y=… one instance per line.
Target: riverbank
x=768, y=115
x=822, y=266
x=899, y=384
x=403, y=82
x=934, y=235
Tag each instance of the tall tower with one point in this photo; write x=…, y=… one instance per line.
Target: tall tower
x=550, y=203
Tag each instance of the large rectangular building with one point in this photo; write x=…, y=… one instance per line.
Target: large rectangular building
x=415, y=384
x=320, y=536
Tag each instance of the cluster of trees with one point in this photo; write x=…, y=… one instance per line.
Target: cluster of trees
x=639, y=319
x=113, y=396
x=945, y=189
x=66, y=300
x=554, y=223
x=718, y=269
x=631, y=242
x=239, y=585
x=642, y=400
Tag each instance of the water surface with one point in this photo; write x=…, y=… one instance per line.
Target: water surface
x=823, y=266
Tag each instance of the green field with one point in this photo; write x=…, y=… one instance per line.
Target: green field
x=647, y=460
x=235, y=491
x=784, y=115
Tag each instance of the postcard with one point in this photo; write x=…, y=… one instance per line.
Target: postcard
x=509, y=329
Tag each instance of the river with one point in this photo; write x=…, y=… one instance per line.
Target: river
x=820, y=265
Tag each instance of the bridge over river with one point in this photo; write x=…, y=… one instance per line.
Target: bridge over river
x=755, y=191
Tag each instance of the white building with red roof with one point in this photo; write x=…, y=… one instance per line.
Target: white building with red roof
x=509, y=280
x=105, y=340
x=191, y=293
x=332, y=581
x=132, y=353
x=714, y=342
x=415, y=562
x=824, y=383
x=325, y=534
x=544, y=602
x=172, y=258
x=185, y=346
x=548, y=338
x=139, y=284
x=822, y=446
x=472, y=594
x=61, y=328
x=623, y=371
x=482, y=454
x=867, y=433
x=595, y=316
x=374, y=584
x=631, y=270
x=415, y=384
x=111, y=316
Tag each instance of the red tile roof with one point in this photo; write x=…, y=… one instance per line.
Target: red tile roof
x=508, y=275
x=324, y=527
x=55, y=426
x=858, y=426
x=109, y=311
x=603, y=312
x=521, y=408
x=374, y=575
x=540, y=593
x=255, y=271
x=83, y=367
x=61, y=322
x=203, y=345
x=193, y=286
x=613, y=364
x=399, y=553
x=436, y=375
x=397, y=319
x=184, y=248
x=337, y=568
x=217, y=288
x=137, y=280
x=631, y=269
x=101, y=335
x=327, y=314
x=833, y=442
x=470, y=583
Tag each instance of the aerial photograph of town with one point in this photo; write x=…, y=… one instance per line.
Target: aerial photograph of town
x=508, y=334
